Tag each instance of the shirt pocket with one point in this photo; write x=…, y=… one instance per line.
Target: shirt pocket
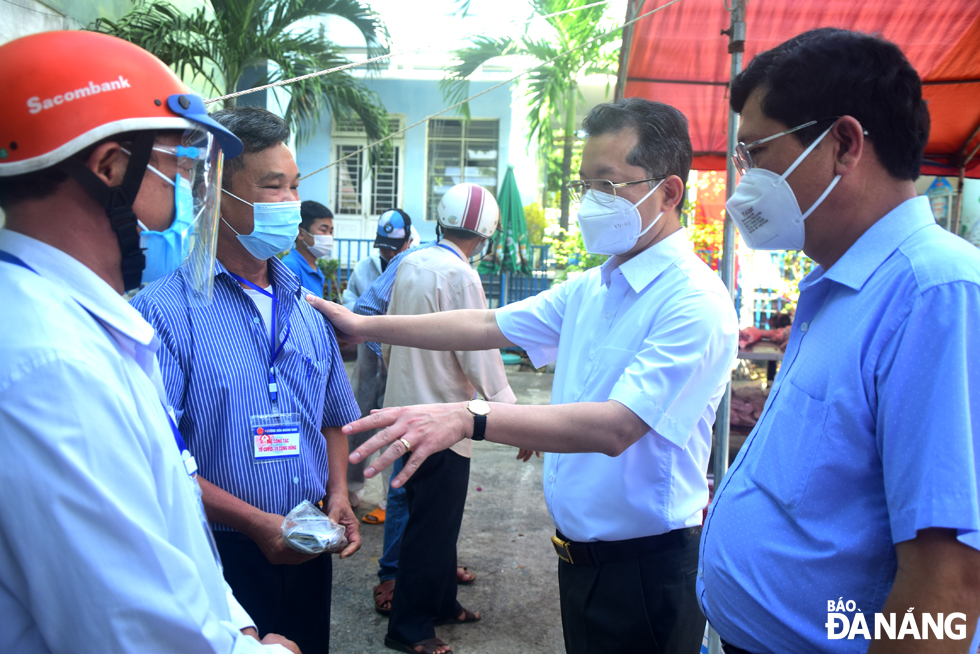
x=786, y=445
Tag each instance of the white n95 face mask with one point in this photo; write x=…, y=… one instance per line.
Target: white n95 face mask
x=614, y=227
x=766, y=210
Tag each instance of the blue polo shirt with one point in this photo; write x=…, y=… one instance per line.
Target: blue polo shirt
x=215, y=365
x=871, y=433
x=309, y=278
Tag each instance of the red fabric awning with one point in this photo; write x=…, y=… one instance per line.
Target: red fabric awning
x=680, y=57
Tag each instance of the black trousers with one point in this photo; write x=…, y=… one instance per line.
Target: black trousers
x=731, y=649
x=647, y=604
x=290, y=600
x=425, y=588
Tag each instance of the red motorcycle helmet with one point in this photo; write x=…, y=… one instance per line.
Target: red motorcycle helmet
x=65, y=91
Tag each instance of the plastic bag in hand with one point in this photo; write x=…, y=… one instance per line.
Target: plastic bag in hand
x=308, y=529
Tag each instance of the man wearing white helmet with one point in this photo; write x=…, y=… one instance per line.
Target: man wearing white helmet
x=432, y=280
x=643, y=347
x=109, y=173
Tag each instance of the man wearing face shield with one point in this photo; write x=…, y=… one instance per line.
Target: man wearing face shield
x=859, y=483
x=314, y=241
x=260, y=360
x=105, y=545
x=644, y=348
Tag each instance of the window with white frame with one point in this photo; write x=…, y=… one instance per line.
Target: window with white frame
x=460, y=151
x=360, y=187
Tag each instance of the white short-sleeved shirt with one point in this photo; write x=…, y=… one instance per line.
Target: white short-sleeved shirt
x=657, y=333
x=102, y=543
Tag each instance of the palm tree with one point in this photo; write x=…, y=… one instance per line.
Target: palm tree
x=241, y=34
x=552, y=89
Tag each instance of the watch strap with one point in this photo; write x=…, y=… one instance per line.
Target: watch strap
x=479, y=428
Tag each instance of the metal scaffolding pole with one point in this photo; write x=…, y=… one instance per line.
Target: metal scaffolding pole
x=736, y=47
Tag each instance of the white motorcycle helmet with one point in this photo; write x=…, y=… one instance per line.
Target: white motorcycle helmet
x=469, y=207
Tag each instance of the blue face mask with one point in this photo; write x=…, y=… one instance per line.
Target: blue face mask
x=166, y=250
x=274, y=227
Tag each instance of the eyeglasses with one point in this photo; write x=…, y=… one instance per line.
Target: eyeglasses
x=603, y=190
x=742, y=158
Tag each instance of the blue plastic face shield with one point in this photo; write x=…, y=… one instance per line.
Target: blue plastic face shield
x=193, y=168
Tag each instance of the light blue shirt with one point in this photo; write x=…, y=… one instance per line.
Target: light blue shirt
x=657, y=333
x=871, y=432
x=361, y=278
x=102, y=544
x=215, y=364
x=311, y=279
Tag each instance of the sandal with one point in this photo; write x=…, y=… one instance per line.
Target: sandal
x=383, y=594
x=464, y=576
x=468, y=616
x=376, y=517
x=429, y=645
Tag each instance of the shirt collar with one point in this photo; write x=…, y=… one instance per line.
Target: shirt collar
x=284, y=281
x=455, y=248
x=646, y=266
x=82, y=284
x=871, y=250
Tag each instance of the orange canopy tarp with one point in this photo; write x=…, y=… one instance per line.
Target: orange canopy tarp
x=679, y=56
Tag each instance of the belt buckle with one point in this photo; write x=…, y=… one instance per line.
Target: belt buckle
x=561, y=549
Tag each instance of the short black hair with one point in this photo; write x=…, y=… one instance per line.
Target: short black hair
x=258, y=130
x=311, y=211
x=831, y=72
x=664, y=145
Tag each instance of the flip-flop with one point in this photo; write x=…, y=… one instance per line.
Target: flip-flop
x=461, y=575
x=383, y=594
x=468, y=616
x=429, y=645
x=375, y=517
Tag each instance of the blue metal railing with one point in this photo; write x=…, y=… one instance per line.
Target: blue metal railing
x=506, y=287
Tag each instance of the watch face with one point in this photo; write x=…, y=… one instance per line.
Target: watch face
x=478, y=407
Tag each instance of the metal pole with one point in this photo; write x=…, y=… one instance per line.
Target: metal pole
x=736, y=47
x=954, y=221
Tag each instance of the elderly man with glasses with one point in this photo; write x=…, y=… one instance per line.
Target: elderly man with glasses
x=644, y=346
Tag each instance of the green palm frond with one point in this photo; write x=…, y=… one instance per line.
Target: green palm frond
x=577, y=44
x=241, y=34
x=185, y=41
x=455, y=86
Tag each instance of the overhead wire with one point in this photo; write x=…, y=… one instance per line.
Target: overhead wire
x=488, y=90
x=372, y=60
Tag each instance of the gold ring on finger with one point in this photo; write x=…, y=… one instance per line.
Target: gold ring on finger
x=408, y=446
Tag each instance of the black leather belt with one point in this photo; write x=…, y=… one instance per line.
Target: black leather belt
x=599, y=552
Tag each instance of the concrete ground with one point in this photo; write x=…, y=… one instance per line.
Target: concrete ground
x=505, y=540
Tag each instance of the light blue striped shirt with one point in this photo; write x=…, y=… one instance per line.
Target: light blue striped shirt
x=215, y=365
x=374, y=302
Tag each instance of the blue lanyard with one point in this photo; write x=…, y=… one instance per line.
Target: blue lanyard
x=446, y=247
x=17, y=261
x=273, y=350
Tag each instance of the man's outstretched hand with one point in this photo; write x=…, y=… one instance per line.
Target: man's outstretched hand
x=428, y=428
x=344, y=322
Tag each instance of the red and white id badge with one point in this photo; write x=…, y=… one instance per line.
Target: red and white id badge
x=275, y=436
